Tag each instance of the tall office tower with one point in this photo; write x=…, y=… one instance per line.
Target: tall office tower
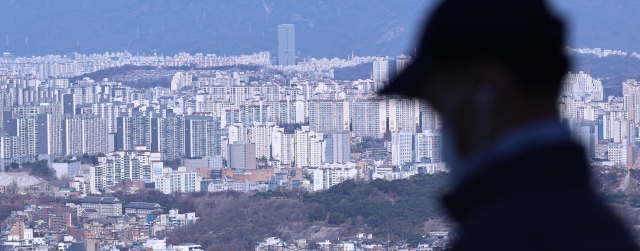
x=241, y=155
x=427, y=145
x=69, y=104
x=328, y=115
x=49, y=136
x=401, y=144
x=167, y=137
x=286, y=45
x=381, y=71
x=338, y=147
x=368, y=118
x=402, y=62
x=201, y=136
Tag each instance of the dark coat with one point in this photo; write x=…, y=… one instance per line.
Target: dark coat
x=539, y=199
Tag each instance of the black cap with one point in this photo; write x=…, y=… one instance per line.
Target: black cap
x=517, y=29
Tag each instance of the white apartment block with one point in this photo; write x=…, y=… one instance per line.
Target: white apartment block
x=180, y=181
x=381, y=71
x=368, y=117
x=427, y=145
x=174, y=218
x=324, y=178
x=401, y=148
x=261, y=136
x=328, y=115
x=135, y=165
x=302, y=147
x=403, y=114
x=582, y=85
x=283, y=147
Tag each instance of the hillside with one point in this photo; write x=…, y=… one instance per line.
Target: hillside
x=397, y=210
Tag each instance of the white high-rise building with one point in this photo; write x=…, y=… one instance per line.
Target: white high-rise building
x=403, y=114
x=401, y=146
x=381, y=71
x=137, y=164
x=582, y=85
x=328, y=115
x=180, y=181
x=181, y=80
x=302, y=147
x=326, y=177
x=286, y=45
x=402, y=62
x=283, y=146
x=427, y=145
x=338, y=147
x=261, y=136
x=368, y=118
x=317, y=149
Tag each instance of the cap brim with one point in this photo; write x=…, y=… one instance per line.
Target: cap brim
x=409, y=83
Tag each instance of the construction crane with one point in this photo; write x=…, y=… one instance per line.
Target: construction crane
x=353, y=148
x=127, y=49
x=624, y=135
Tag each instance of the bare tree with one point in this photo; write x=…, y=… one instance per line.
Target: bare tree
x=12, y=188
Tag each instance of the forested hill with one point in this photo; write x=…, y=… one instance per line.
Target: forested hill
x=397, y=210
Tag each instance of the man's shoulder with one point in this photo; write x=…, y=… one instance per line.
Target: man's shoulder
x=563, y=220
x=557, y=166
x=540, y=195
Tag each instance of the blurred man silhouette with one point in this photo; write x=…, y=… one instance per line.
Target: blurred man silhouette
x=492, y=69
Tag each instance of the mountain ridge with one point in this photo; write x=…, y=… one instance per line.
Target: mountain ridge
x=324, y=28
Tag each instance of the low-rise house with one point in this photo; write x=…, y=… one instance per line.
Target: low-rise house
x=176, y=219
x=106, y=206
x=143, y=208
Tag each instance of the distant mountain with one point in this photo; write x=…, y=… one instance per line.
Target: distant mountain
x=607, y=24
x=324, y=28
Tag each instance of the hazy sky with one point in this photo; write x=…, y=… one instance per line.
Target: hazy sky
x=330, y=28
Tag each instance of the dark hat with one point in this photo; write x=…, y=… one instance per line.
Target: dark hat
x=519, y=30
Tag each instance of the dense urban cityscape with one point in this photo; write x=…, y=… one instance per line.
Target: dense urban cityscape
x=74, y=150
